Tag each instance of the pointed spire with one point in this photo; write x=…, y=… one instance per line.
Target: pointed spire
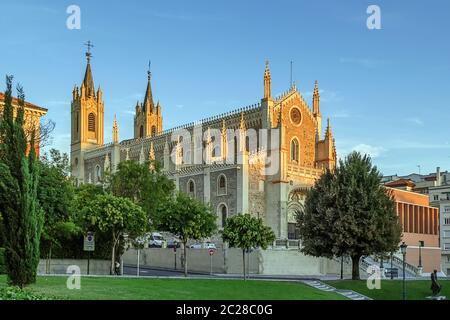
x=151, y=152
x=88, y=81
x=151, y=156
x=280, y=116
x=224, y=145
x=107, y=164
x=328, y=134
x=224, y=128
x=242, y=125
x=209, y=149
x=148, y=100
x=316, y=99
x=115, y=131
x=242, y=134
x=142, y=155
x=267, y=82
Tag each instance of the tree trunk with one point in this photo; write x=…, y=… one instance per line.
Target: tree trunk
x=185, y=259
x=355, y=267
x=243, y=262
x=113, y=256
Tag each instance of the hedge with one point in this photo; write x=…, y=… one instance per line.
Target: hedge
x=2, y=261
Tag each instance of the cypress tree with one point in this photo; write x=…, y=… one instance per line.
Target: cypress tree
x=22, y=216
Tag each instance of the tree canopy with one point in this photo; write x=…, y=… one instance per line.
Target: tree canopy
x=116, y=216
x=186, y=218
x=22, y=216
x=349, y=212
x=245, y=232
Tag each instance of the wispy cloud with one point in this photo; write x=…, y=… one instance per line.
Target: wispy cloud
x=415, y=120
x=372, y=151
x=364, y=62
x=340, y=114
x=413, y=144
x=325, y=95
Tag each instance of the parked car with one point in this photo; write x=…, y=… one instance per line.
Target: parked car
x=173, y=243
x=156, y=241
x=196, y=245
x=203, y=245
x=210, y=245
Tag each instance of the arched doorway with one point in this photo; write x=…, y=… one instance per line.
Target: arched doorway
x=295, y=205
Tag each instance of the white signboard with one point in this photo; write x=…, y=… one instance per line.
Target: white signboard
x=89, y=242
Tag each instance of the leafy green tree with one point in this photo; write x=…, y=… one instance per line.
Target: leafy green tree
x=55, y=194
x=19, y=178
x=116, y=216
x=349, y=212
x=186, y=218
x=145, y=184
x=246, y=232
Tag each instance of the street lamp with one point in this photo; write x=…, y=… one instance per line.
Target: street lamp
x=421, y=245
x=403, y=247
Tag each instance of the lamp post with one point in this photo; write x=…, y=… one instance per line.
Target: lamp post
x=403, y=247
x=421, y=245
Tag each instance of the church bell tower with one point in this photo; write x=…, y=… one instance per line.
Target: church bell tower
x=87, y=119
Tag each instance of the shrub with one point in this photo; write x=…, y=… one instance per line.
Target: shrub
x=2, y=261
x=15, y=293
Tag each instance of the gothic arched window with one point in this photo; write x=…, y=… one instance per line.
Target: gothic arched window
x=91, y=122
x=295, y=150
x=222, y=212
x=98, y=174
x=141, y=131
x=222, y=185
x=191, y=188
x=153, y=131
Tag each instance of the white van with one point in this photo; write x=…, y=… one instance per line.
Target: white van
x=156, y=241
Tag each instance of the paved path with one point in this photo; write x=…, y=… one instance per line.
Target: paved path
x=325, y=287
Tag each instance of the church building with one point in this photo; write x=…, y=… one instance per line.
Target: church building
x=260, y=159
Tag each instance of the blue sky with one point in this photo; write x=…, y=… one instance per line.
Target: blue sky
x=386, y=91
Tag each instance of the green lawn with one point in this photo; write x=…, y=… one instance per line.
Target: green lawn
x=393, y=290
x=177, y=289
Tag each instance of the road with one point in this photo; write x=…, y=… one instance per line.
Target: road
x=146, y=271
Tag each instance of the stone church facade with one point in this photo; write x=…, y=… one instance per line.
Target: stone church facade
x=259, y=159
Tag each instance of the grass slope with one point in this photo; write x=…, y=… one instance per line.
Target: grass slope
x=177, y=289
x=393, y=289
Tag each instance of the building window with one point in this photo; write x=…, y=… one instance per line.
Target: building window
x=98, y=174
x=446, y=246
x=77, y=123
x=141, y=131
x=191, y=188
x=91, y=122
x=293, y=232
x=447, y=221
x=222, y=211
x=294, y=150
x=447, y=209
x=436, y=197
x=222, y=185
x=446, y=234
x=153, y=131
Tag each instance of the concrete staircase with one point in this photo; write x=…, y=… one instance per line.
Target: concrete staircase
x=352, y=295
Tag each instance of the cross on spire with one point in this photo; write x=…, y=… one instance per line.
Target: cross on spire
x=89, y=45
